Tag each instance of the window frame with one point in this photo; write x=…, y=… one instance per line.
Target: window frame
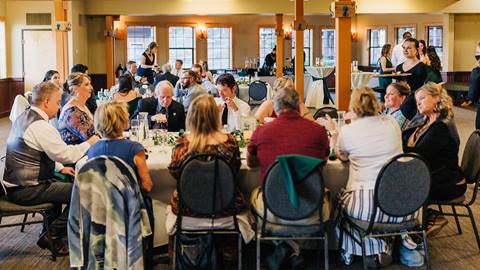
x=427, y=37
x=310, y=46
x=213, y=25
x=398, y=26
x=151, y=24
x=329, y=27
x=258, y=41
x=195, y=41
x=368, y=41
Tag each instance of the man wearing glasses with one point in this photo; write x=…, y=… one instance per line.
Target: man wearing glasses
x=188, y=89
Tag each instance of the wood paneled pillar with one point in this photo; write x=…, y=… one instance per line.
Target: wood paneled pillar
x=343, y=11
x=109, y=51
x=61, y=38
x=280, y=42
x=299, y=25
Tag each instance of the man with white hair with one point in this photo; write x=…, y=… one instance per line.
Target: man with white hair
x=163, y=111
x=166, y=75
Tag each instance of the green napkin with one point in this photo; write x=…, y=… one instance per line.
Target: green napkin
x=296, y=168
x=63, y=177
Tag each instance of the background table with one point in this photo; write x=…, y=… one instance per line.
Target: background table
x=335, y=175
x=318, y=95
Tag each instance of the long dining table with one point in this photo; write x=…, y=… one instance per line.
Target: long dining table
x=335, y=174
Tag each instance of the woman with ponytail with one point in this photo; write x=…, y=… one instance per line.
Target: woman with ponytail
x=367, y=142
x=436, y=140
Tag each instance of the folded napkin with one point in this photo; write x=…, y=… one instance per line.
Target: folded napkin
x=296, y=168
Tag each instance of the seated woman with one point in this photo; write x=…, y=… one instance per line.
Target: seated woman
x=434, y=66
x=75, y=123
x=53, y=76
x=203, y=122
x=266, y=108
x=359, y=143
x=127, y=94
x=205, y=71
x=110, y=120
x=394, y=97
x=437, y=141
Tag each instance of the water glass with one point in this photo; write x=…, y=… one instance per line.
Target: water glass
x=134, y=130
x=317, y=61
x=341, y=118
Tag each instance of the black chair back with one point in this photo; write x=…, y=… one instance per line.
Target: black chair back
x=402, y=186
x=237, y=90
x=471, y=158
x=322, y=112
x=207, y=184
x=309, y=192
x=257, y=90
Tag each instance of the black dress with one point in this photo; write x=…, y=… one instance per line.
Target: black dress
x=415, y=81
x=147, y=72
x=438, y=145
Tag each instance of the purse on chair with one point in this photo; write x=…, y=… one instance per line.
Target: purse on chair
x=198, y=252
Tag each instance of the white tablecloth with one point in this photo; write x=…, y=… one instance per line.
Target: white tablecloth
x=361, y=79
x=319, y=72
x=315, y=93
x=335, y=176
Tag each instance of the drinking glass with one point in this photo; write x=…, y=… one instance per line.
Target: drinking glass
x=134, y=130
x=341, y=118
x=317, y=61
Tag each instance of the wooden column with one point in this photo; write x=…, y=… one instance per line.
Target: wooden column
x=299, y=25
x=61, y=38
x=109, y=51
x=280, y=37
x=343, y=11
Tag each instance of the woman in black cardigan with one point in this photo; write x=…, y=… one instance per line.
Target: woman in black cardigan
x=436, y=140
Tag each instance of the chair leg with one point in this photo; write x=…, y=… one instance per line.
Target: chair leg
x=22, y=229
x=239, y=251
x=454, y=211
x=474, y=225
x=47, y=231
x=325, y=246
x=425, y=248
x=174, y=255
x=258, y=251
x=440, y=208
x=364, y=256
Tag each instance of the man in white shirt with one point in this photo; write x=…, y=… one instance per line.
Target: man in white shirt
x=177, y=71
x=231, y=108
x=33, y=147
x=397, y=52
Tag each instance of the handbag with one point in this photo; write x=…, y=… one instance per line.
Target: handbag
x=197, y=252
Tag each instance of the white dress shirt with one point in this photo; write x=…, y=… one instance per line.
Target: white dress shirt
x=397, y=55
x=20, y=104
x=234, y=120
x=42, y=136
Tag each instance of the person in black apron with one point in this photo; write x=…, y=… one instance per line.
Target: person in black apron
x=147, y=62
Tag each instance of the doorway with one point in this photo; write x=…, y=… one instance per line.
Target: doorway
x=38, y=55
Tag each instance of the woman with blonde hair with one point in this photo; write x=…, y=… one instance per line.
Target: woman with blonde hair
x=75, y=123
x=436, y=140
x=266, y=108
x=110, y=120
x=367, y=142
x=203, y=123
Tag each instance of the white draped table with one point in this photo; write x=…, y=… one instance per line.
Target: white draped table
x=361, y=79
x=318, y=89
x=335, y=176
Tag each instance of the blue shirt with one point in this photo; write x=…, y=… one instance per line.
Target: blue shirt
x=121, y=148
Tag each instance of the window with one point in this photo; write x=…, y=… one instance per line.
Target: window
x=138, y=38
x=376, y=40
x=3, y=53
x=268, y=41
x=435, y=39
x=306, y=45
x=219, y=43
x=328, y=47
x=400, y=30
x=181, y=40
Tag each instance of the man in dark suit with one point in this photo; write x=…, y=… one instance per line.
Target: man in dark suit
x=163, y=111
x=166, y=75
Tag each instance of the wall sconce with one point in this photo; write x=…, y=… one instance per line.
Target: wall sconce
x=354, y=35
x=202, y=31
x=288, y=33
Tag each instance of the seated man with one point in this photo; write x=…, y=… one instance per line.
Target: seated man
x=205, y=82
x=137, y=81
x=290, y=133
x=163, y=111
x=188, y=89
x=231, y=108
x=33, y=147
x=166, y=75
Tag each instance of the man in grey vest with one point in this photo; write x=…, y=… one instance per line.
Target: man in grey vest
x=34, y=150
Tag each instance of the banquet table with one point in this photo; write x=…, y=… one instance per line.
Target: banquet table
x=318, y=95
x=361, y=79
x=335, y=175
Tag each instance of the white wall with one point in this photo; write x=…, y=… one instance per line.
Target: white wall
x=16, y=21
